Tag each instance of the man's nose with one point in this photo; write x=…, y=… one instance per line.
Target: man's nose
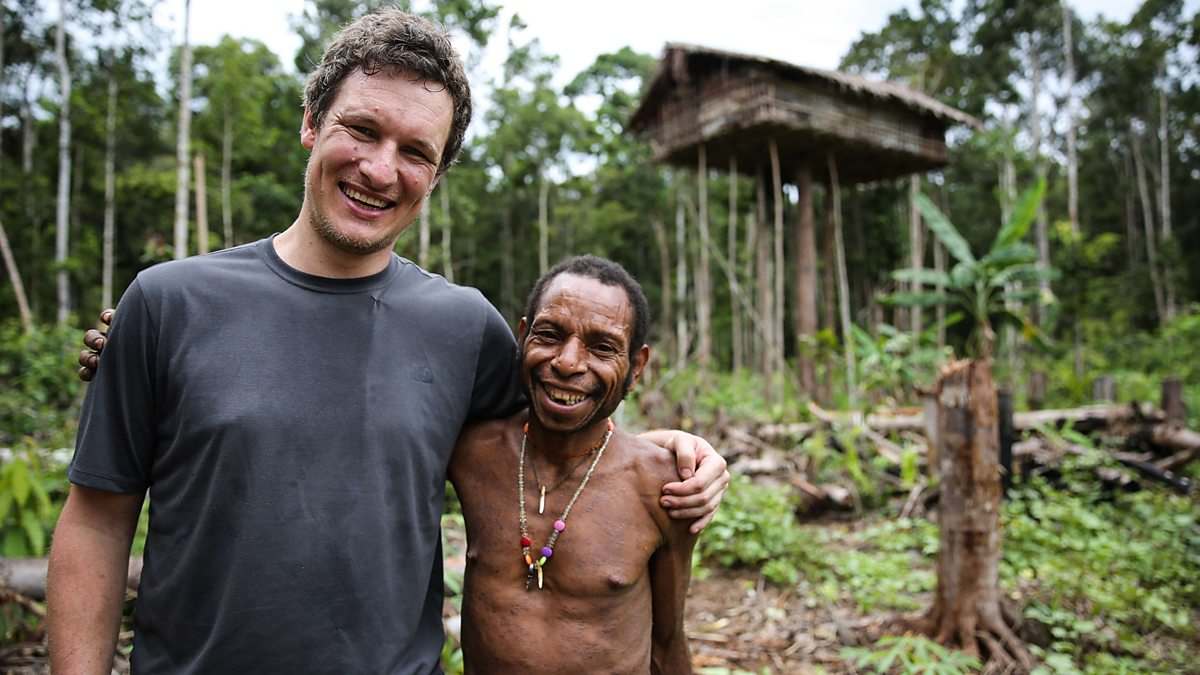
x=379, y=166
x=570, y=358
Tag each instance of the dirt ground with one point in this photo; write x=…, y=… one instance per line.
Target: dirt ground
x=736, y=621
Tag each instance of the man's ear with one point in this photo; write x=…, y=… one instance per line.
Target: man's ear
x=640, y=358
x=308, y=133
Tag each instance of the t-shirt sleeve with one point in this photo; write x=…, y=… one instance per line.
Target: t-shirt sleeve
x=497, y=388
x=114, y=447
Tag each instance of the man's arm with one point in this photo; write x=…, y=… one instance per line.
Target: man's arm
x=704, y=473
x=86, y=578
x=670, y=572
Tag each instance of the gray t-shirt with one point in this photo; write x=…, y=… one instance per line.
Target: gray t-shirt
x=294, y=433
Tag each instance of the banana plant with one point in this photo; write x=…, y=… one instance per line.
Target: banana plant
x=983, y=287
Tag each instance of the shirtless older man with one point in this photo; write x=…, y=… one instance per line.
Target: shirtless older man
x=572, y=564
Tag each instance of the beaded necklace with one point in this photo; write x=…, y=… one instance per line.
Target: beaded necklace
x=535, y=566
x=543, y=490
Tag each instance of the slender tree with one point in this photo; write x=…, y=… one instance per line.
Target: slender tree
x=183, y=138
x=63, y=204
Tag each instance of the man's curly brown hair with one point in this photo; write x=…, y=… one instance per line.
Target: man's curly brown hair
x=397, y=42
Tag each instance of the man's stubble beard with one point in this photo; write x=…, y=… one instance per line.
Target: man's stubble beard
x=325, y=228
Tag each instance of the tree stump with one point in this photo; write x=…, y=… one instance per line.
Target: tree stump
x=1104, y=389
x=1035, y=395
x=1172, y=401
x=967, y=612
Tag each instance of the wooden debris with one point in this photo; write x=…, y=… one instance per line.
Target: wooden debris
x=27, y=576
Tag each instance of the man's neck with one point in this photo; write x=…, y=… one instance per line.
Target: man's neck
x=564, y=448
x=305, y=250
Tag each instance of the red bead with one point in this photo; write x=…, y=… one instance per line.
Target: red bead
x=526, y=541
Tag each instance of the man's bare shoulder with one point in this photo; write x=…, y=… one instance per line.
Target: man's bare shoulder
x=478, y=442
x=489, y=432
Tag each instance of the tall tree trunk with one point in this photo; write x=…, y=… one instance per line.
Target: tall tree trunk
x=939, y=264
x=780, y=268
x=682, y=340
x=1072, y=160
x=843, y=283
x=110, y=188
x=447, y=230
x=828, y=296
x=14, y=277
x=1125, y=168
x=28, y=141
x=1035, y=132
x=62, y=224
x=916, y=251
x=507, y=272
x=201, y=205
x=227, y=179
x=423, y=227
x=806, y=276
x=183, y=138
x=664, y=280
x=543, y=225
x=1139, y=168
x=10, y=263
x=966, y=608
x=703, y=271
x=766, y=304
x=735, y=311
x=751, y=338
x=1164, y=199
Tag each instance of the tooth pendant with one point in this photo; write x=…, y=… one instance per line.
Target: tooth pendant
x=542, y=501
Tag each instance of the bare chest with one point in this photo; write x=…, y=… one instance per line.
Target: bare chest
x=604, y=549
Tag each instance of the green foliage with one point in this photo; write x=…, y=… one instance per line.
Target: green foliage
x=892, y=364
x=38, y=387
x=910, y=655
x=981, y=287
x=882, y=570
x=756, y=527
x=1102, y=571
x=27, y=512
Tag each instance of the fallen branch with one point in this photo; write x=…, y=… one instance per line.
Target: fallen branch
x=27, y=576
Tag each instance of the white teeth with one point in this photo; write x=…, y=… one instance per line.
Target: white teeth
x=370, y=201
x=564, y=397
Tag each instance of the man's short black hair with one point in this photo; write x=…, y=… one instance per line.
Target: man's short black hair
x=607, y=272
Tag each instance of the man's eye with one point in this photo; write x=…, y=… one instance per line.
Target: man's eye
x=361, y=130
x=604, y=349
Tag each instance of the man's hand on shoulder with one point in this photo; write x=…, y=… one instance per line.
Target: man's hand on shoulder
x=93, y=342
x=704, y=475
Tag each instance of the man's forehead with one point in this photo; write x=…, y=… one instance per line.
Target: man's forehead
x=578, y=296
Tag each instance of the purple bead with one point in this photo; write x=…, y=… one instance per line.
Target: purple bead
x=547, y=551
x=559, y=526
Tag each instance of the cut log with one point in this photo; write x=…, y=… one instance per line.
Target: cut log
x=1172, y=400
x=27, y=576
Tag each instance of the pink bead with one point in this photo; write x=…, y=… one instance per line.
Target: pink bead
x=559, y=526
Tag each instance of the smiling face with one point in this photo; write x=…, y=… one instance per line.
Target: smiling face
x=575, y=353
x=374, y=159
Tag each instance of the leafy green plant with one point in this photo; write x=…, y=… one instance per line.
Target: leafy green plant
x=27, y=512
x=892, y=363
x=910, y=655
x=38, y=386
x=756, y=527
x=980, y=286
x=1103, y=571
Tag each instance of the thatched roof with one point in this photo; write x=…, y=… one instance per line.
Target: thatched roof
x=853, y=84
x=733, y=102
